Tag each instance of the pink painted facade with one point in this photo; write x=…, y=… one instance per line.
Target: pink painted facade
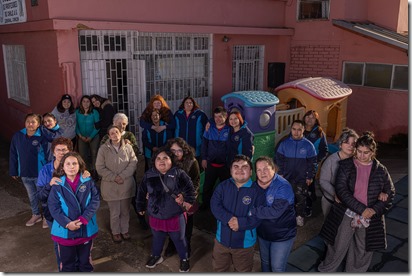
x=308, y=48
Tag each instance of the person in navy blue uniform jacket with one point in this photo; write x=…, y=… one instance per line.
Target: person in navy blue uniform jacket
x=240, y=137
x=296, y=159
x=190, y=124
x=152, y=140
x=73, y=205
x=277, y=230
x=236, y=230
x=28, y=154
x=166, y=115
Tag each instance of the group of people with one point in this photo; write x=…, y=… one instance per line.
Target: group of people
x=61, y=156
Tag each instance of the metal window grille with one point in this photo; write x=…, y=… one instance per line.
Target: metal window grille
x=313, y=9
x=247, y=67
x=16, y=73
x=130, y=67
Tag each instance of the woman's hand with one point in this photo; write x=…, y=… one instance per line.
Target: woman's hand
x=119, y=180
x=204, y=164
x=368, y=213
x=74, y=225
x=207, y=126
x=142, y=213
x=179, y=199
x=86, y=174
x=55, y=181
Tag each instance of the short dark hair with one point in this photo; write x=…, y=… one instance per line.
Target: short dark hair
x=158, y=151
x=241, y=157
x=62, y=141
x=220, y=109
x=367, y=140
x=82, y=165
x=298, y=122
x=267, y=159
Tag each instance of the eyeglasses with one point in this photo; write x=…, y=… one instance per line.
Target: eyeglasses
x=174, y=151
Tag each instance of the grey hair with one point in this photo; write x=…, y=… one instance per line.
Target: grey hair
x=346, y=134
x=120, y=115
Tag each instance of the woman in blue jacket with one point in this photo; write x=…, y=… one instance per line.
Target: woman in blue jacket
x=190, y=124
x=28, y=154
x=73, y=205
x=240, y=137
x=277, y=231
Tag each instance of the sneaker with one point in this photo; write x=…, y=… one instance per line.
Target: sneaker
x=153, y=261
x=126, y=236
x=45, y=225
x=300, y=221
x=34, y=219
x=117, y=238
x=184, y=265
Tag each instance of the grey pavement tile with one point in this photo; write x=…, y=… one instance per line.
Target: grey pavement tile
x=291, y=268
x=318, y=243
x=376, y=259
x=402, y=186
x=403, y=252
x=395, y=266
x=404, y=203
x=304, y=258
x=392, y=242
x=399, y=214
x=397, y=229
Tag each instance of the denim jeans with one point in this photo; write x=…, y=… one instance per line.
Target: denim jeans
x=274, y=255
x=30, y=183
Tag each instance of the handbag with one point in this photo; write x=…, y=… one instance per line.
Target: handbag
x=191, y=210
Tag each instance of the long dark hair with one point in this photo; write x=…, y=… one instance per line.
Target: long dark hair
x=188, y=153
x=367, y=140
x=81, y=108
x=195, y=104
x=60, y=107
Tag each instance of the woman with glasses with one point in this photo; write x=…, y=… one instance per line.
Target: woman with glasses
x=190, y=124
x=184, y=158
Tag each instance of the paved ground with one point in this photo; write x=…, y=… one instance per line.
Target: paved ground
x=30, y=249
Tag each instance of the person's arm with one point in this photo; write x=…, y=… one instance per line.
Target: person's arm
x=106, y=118
x=43, y=184
x=13, y=158
x=186, y=187
x=205, y=148
x=93, y=205
x=104, y=139
x=381, y=207
x=194, y=174
x=323, y=147
x=248, y=144
x=101, y=168
x=96, y=118
x=217, y=207
x=171, y=125
x=280, y=160
x=141, y=192
x=56, y=211
x=311, y=163
x=132, y=163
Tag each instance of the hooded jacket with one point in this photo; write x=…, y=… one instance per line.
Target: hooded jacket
x=66, y=206
x=214, y=144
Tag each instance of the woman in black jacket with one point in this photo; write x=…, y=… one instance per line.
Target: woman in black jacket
x=164, y=193
x=355, y=227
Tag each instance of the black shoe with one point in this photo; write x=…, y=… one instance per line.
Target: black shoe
x=184, y=265
x=154, y=261
x=170, y=249
x=308, y=212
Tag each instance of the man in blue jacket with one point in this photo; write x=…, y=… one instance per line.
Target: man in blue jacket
x=296, y=159
x=236, y=231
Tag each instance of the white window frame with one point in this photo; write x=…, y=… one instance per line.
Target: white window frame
x=325, y=9
x=364, y=74
x=16, y=73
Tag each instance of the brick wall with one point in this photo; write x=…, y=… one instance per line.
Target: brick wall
x=314, y=61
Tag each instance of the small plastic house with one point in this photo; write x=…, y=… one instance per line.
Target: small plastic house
x=327, y=96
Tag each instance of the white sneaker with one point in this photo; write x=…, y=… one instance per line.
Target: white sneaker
x=45, y=225
x=33, y=220
x=300, y=221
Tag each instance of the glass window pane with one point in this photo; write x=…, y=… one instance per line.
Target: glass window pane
x=353, y=73
x=400, y=78
x=378, y=75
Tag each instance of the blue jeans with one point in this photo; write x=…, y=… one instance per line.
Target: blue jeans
x=274, y=255
x=30, y=183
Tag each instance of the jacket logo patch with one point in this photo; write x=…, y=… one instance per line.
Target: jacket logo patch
x=193, y=117
x=270, y=199
x=226, y=134
x=246, y=200
x=302, y=151
x=82, y=188
x=35, y=143
x=313, y=135
x=236, y=138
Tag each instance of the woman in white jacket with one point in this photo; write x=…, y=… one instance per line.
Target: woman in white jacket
x=116, y=164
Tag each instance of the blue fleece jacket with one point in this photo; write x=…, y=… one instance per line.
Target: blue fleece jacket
x=277, y=212
x=214, y=144
x=151, y=139
x=230, y=201
x=296, y=160
x=28, y=154
x=191, y=128
x=66, y=206
x=240, y=142
x=43, y=187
